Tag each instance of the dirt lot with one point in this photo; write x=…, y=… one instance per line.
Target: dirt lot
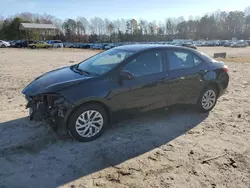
x=176, y=148
x=231, y=52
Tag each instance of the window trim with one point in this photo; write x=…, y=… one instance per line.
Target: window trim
x=130, y=59
x=198, y=57
x=185, y=51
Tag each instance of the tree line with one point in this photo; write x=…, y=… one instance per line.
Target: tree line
x=218, y=25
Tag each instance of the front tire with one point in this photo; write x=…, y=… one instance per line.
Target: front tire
x=207, y=99
x=87, y=122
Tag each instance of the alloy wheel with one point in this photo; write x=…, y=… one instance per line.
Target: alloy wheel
x=89, y=123
x=208, y=99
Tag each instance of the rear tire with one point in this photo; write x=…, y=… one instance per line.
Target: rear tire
x=207, y=99
x=87, y=122
x=3, y=46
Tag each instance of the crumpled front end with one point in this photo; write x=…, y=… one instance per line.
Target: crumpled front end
x=50, y=107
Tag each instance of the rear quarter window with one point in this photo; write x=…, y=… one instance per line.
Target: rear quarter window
x=182, y=59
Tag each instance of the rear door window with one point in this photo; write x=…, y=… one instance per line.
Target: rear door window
x=182, y=59
x=197, y=60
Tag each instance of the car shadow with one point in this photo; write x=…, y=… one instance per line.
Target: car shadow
x=39, y=159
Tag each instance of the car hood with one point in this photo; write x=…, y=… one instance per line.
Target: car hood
x=54, y=81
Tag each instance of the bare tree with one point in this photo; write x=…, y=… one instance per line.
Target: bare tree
x=151, y=28
x=170, y=26
x=128, y=27
x=110, y=29
x=85, y=24
x=79, y=30
x=122, y=25
x=217, y=25
x=116, y=25
x=69, y=27
x=57, y=22
x=94, y=25
x=46, y=19
x=27, y=16
x=106, y=24
x=143, y=27
x=247, y=11
x=160, y=31
x=97, y=25
x=1, y=21
x=134, y=26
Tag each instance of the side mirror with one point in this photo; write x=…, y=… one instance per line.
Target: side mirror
x=126, y=75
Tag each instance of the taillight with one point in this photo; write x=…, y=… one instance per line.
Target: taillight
x=225, y=68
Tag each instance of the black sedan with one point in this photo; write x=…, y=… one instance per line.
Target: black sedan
x=82, y=99
x=22, y=43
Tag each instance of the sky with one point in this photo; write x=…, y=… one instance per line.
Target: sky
x=114, y=9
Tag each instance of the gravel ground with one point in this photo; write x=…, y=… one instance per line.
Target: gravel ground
x=174, y=148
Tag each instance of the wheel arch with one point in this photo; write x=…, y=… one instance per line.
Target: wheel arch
x=96, y=102
x=215, y=85
x=210, y=84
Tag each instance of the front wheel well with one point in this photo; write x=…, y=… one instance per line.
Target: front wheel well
x=104, y=106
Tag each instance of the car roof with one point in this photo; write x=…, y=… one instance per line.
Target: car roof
x=142, y=47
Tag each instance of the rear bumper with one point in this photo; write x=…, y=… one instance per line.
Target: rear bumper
x=223, y=83
x=222, y=91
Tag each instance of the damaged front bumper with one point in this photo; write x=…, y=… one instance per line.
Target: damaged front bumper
x=53, y=108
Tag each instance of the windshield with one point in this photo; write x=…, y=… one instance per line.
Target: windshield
x=105, y=61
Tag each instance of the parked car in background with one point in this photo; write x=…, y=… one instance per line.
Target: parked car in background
x=22, y=43
x=55, y=43
x=223, y=42
x=227, y=44
x=4, y=44
x=189, y=45
x=99, y=46
x=85, y=45
x=40, y=44
x=109, y=46
x=239, y=44
x=68, y=44
x=84, y=98
x=168, y=42
x=77, y=45
x=248, y=41
x=198, y=43
x=12, y=43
